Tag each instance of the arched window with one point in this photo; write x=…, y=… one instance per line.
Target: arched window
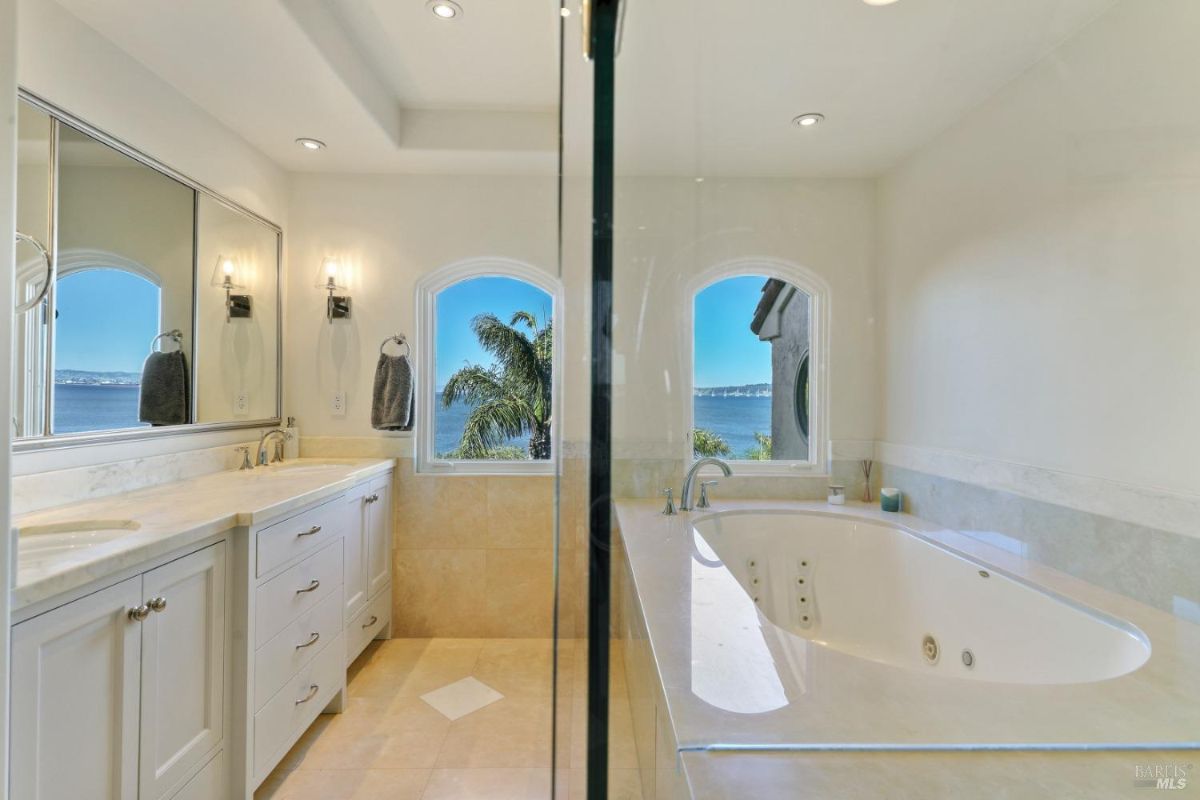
x=488, y=365
x=96, y=376
x=757, y=367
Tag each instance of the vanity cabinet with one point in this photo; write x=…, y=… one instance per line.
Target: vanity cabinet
x=368, y=564
x=120, y=694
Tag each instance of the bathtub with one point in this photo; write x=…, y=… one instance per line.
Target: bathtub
x=877, y=591
x=795, y=628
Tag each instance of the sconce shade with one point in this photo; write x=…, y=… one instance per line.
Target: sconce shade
x=331, y=275
x=228, y=274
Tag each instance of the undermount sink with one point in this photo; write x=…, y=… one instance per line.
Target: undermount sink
x=299, y=468
x=57, y=538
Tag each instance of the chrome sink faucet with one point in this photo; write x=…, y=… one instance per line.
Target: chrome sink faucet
x=262, y=459
x=685, y=501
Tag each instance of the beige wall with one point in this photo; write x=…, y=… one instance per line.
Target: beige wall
x=671, y=230
x=473, y=556
x=1038, y=264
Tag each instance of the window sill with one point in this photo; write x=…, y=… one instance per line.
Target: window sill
x=487, y=468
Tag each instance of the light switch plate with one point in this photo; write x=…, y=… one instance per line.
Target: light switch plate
x=241, y=404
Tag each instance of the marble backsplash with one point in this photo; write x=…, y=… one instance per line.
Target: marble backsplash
x=40, y=490
x=1156, y=567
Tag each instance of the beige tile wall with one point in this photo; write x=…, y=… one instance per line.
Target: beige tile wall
x=473, y=556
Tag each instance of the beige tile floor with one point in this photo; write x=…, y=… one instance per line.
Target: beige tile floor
x=391, y=744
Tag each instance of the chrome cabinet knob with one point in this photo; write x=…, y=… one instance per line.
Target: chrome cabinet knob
x=372, y=499
x=157, y=604
x=139, y=613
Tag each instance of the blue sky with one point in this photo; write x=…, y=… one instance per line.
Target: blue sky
x=106, y=320
x=727, y=353
x=457, y=305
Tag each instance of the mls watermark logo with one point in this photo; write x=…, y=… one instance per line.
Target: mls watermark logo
x=1161, y=776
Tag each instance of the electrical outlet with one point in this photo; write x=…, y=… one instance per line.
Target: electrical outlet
x=241, y=404
x=338, y=406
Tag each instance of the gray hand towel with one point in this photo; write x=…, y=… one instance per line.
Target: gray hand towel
x=164, y=398
x=392, y=400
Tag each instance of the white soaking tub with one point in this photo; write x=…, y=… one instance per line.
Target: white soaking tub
x=917, y=638
x=879, y=592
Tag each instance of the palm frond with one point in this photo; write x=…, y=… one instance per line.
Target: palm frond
x=491, y=424
x=472, y=384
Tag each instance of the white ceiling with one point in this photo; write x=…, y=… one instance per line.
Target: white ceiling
x=704, y=87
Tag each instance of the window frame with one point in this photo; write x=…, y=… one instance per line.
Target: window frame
x=427, y=290
x=817, y=465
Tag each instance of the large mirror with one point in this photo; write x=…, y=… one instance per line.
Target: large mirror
x=144, y=302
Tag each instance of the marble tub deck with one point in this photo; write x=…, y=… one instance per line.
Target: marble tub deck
x=832, y=699
x=174, y=515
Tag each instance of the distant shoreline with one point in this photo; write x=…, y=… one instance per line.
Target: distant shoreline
x=103, y=385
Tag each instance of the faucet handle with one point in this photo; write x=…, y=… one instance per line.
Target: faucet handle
x=245, y=451
x=669, y=511
x=704, y=493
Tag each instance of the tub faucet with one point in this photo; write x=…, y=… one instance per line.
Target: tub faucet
x=685, y=501
x=262, y=445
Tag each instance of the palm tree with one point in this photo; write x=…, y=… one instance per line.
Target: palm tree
x=513, y=396
x=708, y=443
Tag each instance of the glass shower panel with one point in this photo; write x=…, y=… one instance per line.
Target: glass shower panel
x=847, y=238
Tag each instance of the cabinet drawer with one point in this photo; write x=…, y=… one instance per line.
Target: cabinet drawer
x=281, y=542
x=278, y=660
x=288, y=595
x=367, y=624
x=286, y=715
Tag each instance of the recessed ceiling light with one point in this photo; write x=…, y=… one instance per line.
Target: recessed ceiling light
x=808, y=120
x=879, y=2
x=445, y=9
x=310, y=144
x=566, y=12
x=699, y=180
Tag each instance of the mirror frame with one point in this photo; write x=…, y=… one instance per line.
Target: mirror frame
x=51, y=441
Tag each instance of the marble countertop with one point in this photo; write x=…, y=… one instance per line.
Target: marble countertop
x=833, y=699
x=173, y=515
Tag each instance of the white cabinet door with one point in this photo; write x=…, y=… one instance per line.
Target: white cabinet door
x=354, y=550
x=183, y=668
x=379, y=535
x=75, y=699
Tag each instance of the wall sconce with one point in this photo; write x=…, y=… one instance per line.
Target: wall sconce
x=332, y=278
x=228, y=274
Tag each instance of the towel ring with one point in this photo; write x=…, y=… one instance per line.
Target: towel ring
x=398, y=339
x=175, y=335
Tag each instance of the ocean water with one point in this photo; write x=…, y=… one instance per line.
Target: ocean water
x=734, y=419
x=90, y=407
x=85, y=407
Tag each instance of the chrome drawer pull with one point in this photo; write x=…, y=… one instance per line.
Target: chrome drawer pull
x=312, y=640
x=157, y=604
x=312, y=587
x=139, y=613
x=312, y=692
x=310, y=531
x=371, y=621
